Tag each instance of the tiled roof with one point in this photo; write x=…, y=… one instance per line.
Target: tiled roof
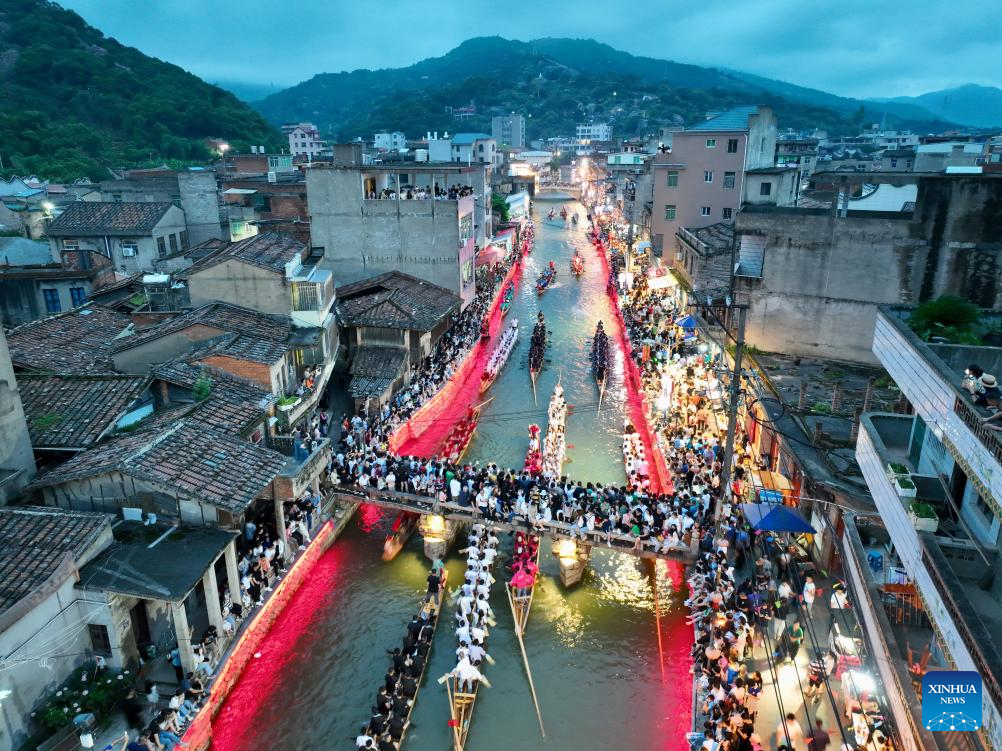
x=269, y=250
x=34, y=541
x=73, y=411
x=734, y=119
x=231, y=406
x=718, y=237
x=361, y=387
x=239, y=347
x=85, y=218
x=78, y=341
x=378, y=361
x=218, y=315
x=395, y=300
x=189, y=458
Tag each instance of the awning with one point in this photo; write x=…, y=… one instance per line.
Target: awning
x=775, y=517
x=686, y=322
x=490, y=255
x=239, y=192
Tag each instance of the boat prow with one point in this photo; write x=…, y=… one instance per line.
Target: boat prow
x=403, y=527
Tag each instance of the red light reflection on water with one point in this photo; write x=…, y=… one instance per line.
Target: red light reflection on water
x=233, y=727
x=369, y=517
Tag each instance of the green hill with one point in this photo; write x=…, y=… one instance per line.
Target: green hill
x=502, y=75
x=73, y=102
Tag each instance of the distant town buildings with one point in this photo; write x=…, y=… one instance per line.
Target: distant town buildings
x=305, y=140
x=395, y=141
x=509, y=130
x=590, y=132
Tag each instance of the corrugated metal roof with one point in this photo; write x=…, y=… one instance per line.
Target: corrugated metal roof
x=735, y=118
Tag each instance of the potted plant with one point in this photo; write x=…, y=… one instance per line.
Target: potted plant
x=905, y=486
x=894, y=469
x=923, y=516
x=287, y=403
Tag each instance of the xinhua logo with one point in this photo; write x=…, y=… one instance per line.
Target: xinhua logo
x=951, y=700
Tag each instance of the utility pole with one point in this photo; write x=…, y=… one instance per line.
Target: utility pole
x=732, y=410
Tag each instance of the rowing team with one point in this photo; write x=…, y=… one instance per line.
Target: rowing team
x=500, y=354
x=473, y=613
x=555, y=445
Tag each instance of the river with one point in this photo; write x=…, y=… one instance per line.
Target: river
x=593, y=649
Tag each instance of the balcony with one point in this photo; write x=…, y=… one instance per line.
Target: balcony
x=930, y=375
x=312, y=296
x=300, y=471
x=948, y=569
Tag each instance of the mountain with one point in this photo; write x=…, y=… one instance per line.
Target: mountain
x=73, y=102
x=980, y=106
x=489, y=70
x=248, y=92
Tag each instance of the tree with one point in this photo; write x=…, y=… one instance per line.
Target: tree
x=500, y=206
x=948, y=316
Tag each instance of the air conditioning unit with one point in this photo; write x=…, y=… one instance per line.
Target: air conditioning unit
x=272, y=177
x=128, y=252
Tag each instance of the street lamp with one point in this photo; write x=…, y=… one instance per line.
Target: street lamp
x=223, y=148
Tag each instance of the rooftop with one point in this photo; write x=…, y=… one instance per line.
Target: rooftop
x=717, y=237
x=734, y=119
x=75, y=411
x=106, y=218
x=267, y=250
x=238, y=347
x=395, y=300
x=78, y=341
x=189, y=458
x=217, y=315
x=465, y=139
x=34, y=542
x=155, y=562
x=20, y=251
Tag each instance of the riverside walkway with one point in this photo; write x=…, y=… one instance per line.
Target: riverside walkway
x=418, y=504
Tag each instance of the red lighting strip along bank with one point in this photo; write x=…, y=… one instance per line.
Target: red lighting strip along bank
x=199, y=734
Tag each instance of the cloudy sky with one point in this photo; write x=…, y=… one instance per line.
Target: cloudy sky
x=854, y=48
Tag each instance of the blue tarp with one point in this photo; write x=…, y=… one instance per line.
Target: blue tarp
x=686, y=322
x=775, y=517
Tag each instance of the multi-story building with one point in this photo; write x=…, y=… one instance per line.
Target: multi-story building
x=305, y=140
x=132, y=236
x=192, y=190
x=265, y=202
x=898, y=160
x=936, y=478
x=372, y=219
x=395, y=141
x=17, y=463
x=939, y=157
x=34, y=282
x=714, y=166
x=800, y=153
x=590, y=132
x=509, y=130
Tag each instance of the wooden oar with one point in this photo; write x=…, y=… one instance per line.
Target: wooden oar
x=525, y=661
x=457, y=743
x=601, y=395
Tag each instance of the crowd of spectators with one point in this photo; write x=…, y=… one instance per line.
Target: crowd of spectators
x=423, y=193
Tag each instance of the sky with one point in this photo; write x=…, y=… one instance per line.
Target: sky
x=855, y=48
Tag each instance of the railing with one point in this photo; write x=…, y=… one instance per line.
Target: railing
x=989, y=438
x=308, y=296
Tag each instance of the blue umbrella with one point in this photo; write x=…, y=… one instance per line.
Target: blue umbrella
x=775, y=517
x=686, y=322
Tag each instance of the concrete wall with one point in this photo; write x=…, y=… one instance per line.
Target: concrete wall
x=15, y=443
x=240, y=283
x=141, y=358
x=824, y=276
x=21, y=298
x=363, y=238
x=200, y=202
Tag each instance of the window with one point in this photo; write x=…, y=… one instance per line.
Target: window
x=732, y=146
x=669, y=213
x=765, y=189
x=807, y=160
x=708, y=176
x=99, y=639
x=982, y=505
x=480, y=148
x=728, y=214
x=71, y=244
x=704, y=210
x=673, y=179
x=116, y=197
x=711, y=143
x=894, y=163
x=161, y=247
x=51, y=300
x=184, y=239
x=129, y=248
x=173, y=243
x=729, y=180
x=78, y=296
x=176, y=200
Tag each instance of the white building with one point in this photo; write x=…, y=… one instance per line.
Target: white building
x=395, y=141
x=936, y=479
x=304, y=140
x=588, y=132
